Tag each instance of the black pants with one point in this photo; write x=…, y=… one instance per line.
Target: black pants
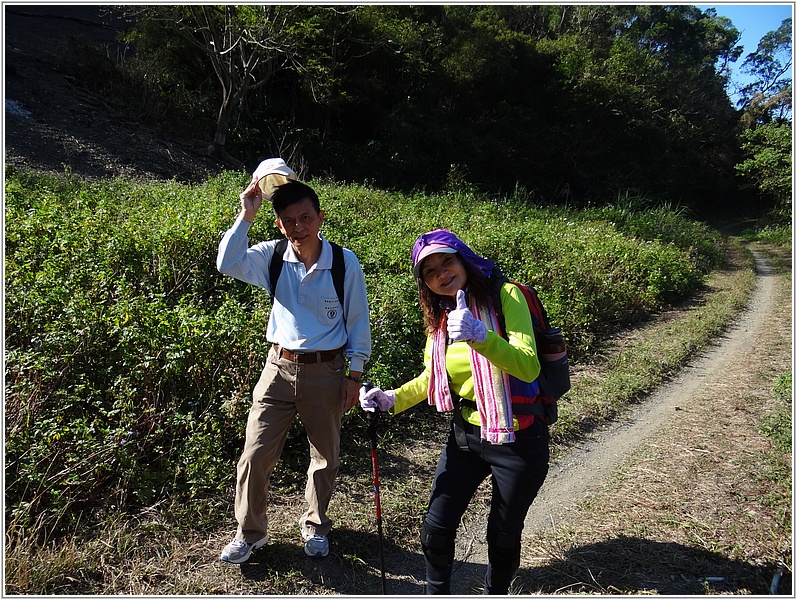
x=517, y=471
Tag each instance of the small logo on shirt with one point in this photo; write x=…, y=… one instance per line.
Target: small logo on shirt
x=332, y=308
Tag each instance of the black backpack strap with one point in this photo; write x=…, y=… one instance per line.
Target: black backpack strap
x=275, y=266
x=518, y=408
x=338, y=270
x=458, y=421
x=338, y=267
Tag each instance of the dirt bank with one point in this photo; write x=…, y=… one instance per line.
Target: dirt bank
x=57, y=119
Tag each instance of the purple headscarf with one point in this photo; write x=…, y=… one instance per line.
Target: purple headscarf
x=444, y=238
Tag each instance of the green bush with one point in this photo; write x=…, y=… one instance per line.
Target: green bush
x=130, y=359
x=780, y=235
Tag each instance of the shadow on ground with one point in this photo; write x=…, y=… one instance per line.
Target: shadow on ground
x=619, y=566
x=352, y=567
x=630, y=565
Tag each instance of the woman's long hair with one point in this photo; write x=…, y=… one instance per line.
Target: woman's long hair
x=435, y=306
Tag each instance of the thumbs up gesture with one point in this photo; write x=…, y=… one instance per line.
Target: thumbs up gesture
x=462, y=325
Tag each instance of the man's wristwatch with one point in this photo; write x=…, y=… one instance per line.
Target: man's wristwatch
x=354, y=379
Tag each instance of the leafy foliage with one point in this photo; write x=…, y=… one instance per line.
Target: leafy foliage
x=766, y=138
x=768, y=96
x=130, y=359
x=767, y=166
x=571, y=101
x=778, y=425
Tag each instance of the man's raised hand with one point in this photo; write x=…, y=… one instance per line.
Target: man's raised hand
x=251, y=200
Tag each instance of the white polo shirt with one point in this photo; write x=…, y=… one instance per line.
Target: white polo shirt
x=306, y=315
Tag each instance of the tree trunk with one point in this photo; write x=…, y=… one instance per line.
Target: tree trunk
x=218, y=149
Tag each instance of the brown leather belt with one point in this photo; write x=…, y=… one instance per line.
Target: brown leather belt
x=307, y=357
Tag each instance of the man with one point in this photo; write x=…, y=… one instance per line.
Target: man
x=314, y=333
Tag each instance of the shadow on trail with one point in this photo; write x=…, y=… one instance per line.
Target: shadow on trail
x=628, y=565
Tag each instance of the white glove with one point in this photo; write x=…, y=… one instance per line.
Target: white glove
x=462, y=325
x=375, y=398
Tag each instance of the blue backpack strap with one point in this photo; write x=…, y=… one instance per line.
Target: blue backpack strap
x=338, y=267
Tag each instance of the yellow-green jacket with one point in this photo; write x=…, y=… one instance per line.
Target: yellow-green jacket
x=516, y=356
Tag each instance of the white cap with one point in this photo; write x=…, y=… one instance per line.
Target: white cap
x=274, y=165
x=272, y=173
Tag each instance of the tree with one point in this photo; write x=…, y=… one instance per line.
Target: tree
x=767, y=167
x=245, y=44
x=573, y=102
x=639, y=99
x=768, y=97
x=766, y=137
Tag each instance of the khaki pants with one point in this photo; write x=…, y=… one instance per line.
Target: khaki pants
x=285, y=389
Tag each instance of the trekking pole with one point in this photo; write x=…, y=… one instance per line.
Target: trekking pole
x=373, y=419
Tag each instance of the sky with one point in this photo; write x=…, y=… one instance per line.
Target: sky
x=753, y=20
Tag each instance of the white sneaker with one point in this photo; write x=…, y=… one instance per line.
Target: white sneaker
x=316, y=545
x=238, y=551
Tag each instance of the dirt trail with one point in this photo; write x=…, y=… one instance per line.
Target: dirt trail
x=577, y=474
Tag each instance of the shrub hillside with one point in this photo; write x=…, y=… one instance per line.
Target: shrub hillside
x=130, y=359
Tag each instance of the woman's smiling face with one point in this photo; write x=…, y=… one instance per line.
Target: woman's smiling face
x=444, y=274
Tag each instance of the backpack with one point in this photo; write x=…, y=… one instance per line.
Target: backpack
x=554, y=378
x=338, y=267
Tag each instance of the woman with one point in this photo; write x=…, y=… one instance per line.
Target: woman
x=487, y=378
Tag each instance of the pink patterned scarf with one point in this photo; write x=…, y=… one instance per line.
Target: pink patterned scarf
x=490, y=384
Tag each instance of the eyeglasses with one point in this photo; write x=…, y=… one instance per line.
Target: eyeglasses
x=304, y=220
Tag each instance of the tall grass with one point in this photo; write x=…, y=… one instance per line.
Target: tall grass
x=130, y=359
